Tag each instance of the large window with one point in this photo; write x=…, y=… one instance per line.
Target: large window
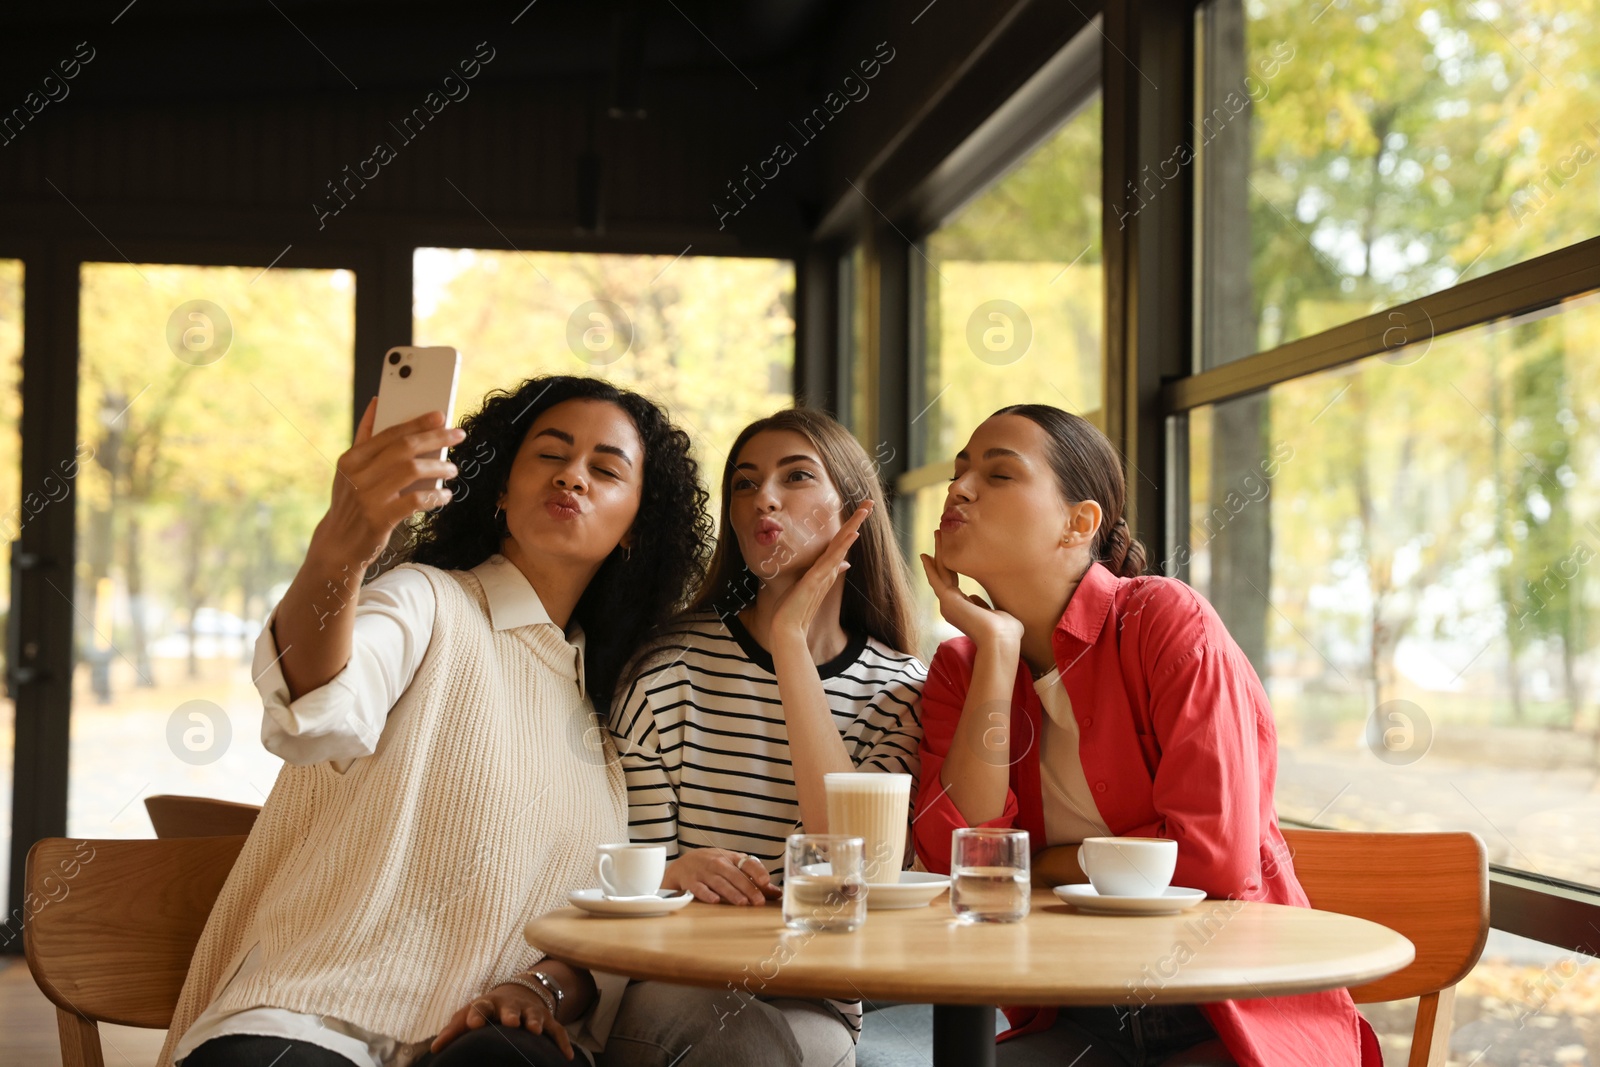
x=712, y=338
x=1426, y=616
x=11, y=514
x=1011, y=297
x=1405, y=545
x=212, y=403
x=1388, y=149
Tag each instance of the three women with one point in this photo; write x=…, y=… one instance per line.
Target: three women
x=439, y=793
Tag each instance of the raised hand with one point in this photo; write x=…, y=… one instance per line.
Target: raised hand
x=372, y=491
x=968, y=612
x=794, y=612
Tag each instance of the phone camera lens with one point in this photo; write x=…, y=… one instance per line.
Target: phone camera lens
x=394, y=357
x=405, y=372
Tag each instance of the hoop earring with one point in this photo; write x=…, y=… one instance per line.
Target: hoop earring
x=627, y=553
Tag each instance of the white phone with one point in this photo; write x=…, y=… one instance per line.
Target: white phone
x=416, y=381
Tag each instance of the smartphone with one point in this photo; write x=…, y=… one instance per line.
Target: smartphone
x=416, y=381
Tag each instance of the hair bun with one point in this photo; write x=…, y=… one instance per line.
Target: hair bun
x=1121, y=553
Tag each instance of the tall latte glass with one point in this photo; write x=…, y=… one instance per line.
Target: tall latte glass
x=875, y=807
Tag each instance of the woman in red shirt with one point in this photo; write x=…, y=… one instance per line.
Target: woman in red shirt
x=1091, y=700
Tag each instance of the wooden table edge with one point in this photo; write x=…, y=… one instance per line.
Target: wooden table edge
x=1378, y=964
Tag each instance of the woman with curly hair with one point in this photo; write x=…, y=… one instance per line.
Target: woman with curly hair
x=444, y=779
x=796, y=659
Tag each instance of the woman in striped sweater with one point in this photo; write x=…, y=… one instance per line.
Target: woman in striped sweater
x=795, y=660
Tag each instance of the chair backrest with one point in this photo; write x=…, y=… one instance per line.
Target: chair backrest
x=179, y=816
x=1433, y=888
x=116, y=922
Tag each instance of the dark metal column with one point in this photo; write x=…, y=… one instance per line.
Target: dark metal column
x=1148, y=72
x=963, y=1036
x=39, y=660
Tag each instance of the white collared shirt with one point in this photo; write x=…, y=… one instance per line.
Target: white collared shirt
x=340, y=722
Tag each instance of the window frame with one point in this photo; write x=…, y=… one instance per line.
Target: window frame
x=1549, y=910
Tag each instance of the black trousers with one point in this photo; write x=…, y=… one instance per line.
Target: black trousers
x=493, y=1044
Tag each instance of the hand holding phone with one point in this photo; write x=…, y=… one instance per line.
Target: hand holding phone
x=416, y=381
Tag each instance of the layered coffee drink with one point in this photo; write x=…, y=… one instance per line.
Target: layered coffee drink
x=875, y=807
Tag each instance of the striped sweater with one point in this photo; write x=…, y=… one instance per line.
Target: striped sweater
x=705, y=748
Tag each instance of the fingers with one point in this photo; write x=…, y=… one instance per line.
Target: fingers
x=949, y=575
x=556, y=1033
x=943, y=583
x=452, y=1030
x=704, y=893
x=727, y=886
x=423, y=434
x=848, y=533
x=751, y=868
x=859, y=516
x=368, y=417
x=426, y=499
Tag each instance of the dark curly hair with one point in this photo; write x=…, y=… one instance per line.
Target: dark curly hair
x=633, y=592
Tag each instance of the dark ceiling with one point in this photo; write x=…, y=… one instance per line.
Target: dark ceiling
x=255, y=120
x=164, y=49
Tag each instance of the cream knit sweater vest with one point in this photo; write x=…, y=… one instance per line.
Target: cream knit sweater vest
x=390, y=895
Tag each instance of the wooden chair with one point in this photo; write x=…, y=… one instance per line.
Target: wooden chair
x=1433, y=888
x=111, y=928
x=179, y=816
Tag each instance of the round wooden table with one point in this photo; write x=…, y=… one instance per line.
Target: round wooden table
x=1221, y=950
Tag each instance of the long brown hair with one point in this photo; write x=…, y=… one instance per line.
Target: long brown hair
x=877, y=592
x=1088, y=468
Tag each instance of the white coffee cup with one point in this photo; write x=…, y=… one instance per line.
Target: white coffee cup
x=1128, y=866
x=874, y=806
x=629, y=870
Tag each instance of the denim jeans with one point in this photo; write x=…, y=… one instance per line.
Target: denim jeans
x=1114, y=1037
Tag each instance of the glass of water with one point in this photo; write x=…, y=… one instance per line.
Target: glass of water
x=824, y=883
x=989, y=875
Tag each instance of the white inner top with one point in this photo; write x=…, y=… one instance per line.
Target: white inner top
x=1070, y=813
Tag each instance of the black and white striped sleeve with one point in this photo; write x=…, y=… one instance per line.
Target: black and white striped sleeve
x=652, y=796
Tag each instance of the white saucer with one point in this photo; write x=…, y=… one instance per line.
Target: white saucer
x=595, y=902
x=1173, y=900
x=915, y=889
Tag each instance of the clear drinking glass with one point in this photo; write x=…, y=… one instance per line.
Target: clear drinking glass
x=824, y=883
x=989, y=875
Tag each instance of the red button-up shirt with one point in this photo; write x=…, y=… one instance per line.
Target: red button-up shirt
x=1177, y=740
